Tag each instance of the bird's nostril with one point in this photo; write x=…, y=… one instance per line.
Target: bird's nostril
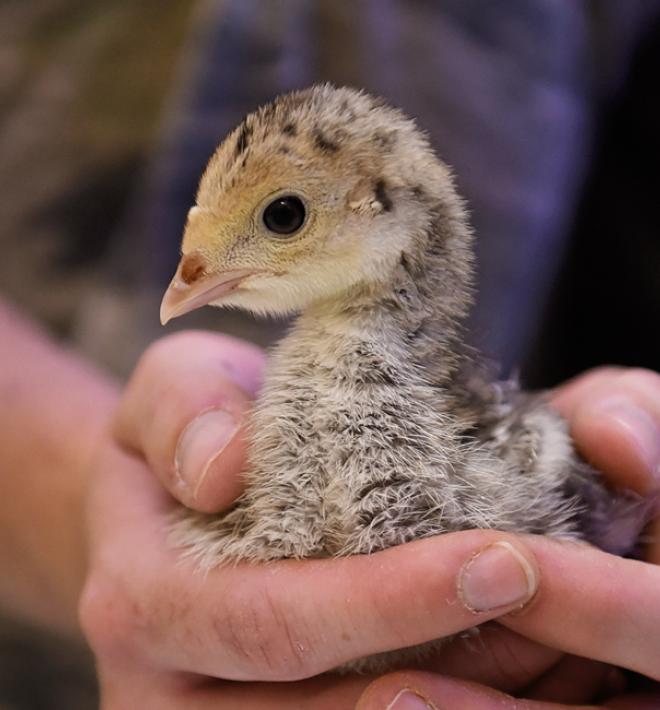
x=192, y=267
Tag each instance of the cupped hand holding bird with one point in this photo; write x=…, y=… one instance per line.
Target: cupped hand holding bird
x=166, y=635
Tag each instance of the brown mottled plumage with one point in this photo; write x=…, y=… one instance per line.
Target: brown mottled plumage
x=374, y=426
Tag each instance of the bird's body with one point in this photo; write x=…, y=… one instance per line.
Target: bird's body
x=376, y=425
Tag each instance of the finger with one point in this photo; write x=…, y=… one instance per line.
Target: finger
x=184, y=411
x=576, y=680
x=288, y=619
x=615, y=421
x=414, y=690
x=494, y=656
x=569, y=394
x=140, y=687
x=595, y=605
x=326, y=692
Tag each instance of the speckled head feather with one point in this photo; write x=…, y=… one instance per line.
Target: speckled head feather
x=361, y=169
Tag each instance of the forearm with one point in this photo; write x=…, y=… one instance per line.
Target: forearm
x=53, y=410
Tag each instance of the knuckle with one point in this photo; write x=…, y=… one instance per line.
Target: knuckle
x=264, y=636
x=107, y=619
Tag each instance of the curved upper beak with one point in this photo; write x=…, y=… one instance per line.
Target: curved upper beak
x=189, y=290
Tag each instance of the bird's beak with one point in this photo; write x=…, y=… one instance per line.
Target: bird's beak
x=192, y=287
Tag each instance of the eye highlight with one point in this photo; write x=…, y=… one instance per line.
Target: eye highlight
x=284, y=216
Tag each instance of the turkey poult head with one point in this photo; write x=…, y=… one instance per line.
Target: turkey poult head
x=313, y=197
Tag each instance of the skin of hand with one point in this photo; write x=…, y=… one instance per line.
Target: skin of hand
x=54, y=411
x=164, y=633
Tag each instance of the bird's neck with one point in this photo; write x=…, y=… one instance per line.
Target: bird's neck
x=415, y=313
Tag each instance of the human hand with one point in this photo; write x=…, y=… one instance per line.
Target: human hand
x=614, y=415
x=161, y=630
x=175, y=382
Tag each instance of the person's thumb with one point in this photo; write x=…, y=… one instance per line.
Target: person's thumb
x=184, y=411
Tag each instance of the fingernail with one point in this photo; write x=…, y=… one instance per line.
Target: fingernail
x=639, y=425
x=200, y=443
x=409, y=700
x=497, y=576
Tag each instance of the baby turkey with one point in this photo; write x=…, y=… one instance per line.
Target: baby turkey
x=374, y=426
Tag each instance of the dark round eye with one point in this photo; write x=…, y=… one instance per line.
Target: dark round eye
x=285, y=215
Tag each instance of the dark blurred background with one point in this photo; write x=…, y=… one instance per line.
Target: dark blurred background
x=547, y=109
